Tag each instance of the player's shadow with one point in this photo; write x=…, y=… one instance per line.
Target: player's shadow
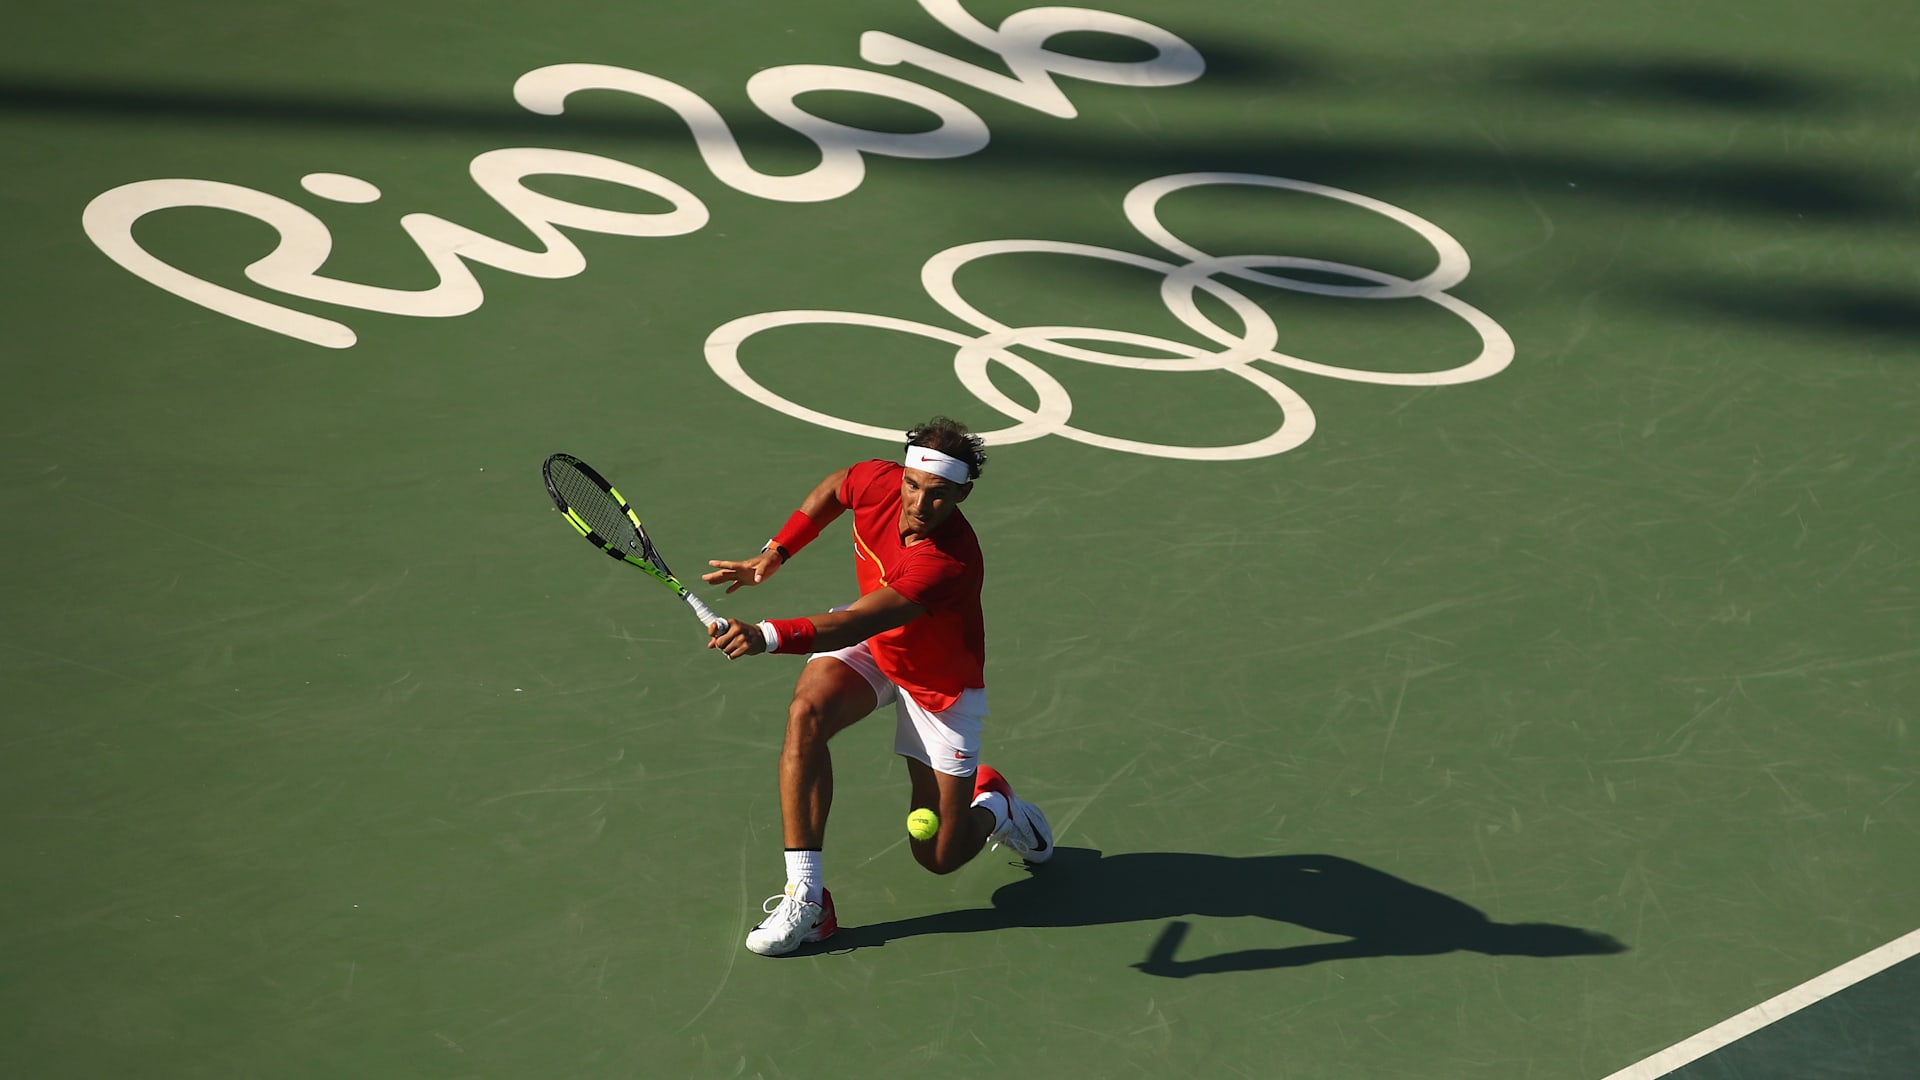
x=1378, y=914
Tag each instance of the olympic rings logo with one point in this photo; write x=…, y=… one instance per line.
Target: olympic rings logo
x=1195, y=272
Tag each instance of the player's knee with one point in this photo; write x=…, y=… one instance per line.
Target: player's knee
x=806, y=721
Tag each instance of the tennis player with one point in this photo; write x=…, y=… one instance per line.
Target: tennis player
x=915, y=639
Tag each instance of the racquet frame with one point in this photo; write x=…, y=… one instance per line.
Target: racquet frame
x=647, y=557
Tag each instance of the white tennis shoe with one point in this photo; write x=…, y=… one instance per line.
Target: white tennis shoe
x=1026, y=830
x=792, y=922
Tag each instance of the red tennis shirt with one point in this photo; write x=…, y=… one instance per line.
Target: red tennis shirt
x=938, y=655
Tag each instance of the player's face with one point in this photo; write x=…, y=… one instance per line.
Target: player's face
x=926, y=501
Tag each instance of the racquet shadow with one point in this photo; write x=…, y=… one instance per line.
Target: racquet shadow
x=1378, y=914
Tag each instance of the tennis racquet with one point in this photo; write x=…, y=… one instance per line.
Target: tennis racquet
x=607, y=520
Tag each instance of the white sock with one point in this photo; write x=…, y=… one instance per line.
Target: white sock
x=803, y=874
x=996, y=805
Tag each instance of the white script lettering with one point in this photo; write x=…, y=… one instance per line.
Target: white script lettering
x=293, y=266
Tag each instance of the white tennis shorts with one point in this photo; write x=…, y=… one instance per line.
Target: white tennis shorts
x=948, y=742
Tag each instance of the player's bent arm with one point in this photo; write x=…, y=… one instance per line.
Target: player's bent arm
x=875, y=613
x=818, y=510
x=823, y=504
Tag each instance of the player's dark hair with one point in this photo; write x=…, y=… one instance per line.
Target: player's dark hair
x=951, y=437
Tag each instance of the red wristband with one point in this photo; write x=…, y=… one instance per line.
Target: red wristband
x=799, y=531
x=796, y=635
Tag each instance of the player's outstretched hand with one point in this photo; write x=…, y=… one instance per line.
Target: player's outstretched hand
x=740, y=638
x=742, y=572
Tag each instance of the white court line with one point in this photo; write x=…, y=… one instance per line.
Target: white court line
x=1775, y=1008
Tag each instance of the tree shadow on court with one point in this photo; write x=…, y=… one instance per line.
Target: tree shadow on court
x=1861, y=309
x=1715, y=82
x=1378, y=914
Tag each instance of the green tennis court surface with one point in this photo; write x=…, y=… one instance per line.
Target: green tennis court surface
x=1453, y=570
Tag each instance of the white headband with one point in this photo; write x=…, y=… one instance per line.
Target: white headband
x=945, y=466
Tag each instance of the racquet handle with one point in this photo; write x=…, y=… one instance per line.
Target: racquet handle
x=706, y=613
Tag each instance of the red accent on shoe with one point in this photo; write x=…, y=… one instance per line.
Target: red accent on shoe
x=829, y=924
x=987, y=778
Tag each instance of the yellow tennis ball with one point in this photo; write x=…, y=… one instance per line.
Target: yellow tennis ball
x=923, y=824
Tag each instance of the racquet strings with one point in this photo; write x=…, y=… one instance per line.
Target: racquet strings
x=598, y=509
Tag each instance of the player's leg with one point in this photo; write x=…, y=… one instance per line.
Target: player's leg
x=834, y=691
x=964, y=827
x=830, y=697
x=941, y=750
